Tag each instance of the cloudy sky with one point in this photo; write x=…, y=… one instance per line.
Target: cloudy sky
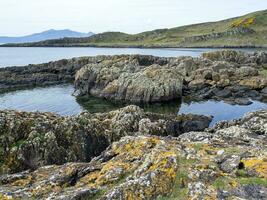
x=19, y=17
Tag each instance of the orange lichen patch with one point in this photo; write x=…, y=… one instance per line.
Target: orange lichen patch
x=164, y=164
x=259, y=165
x=39, y=190
x=22, y=182
x=243, y=22
x=137, y=148
x=89, y=180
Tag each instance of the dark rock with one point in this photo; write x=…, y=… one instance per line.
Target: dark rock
x=243, y=101
x=230, y=163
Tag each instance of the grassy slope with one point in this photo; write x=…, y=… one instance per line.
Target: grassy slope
x=174, y=37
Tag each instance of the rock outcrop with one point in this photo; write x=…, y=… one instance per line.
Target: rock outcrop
x=228, y=75
x=237, y=31
x=228, y=161
x=52, y=73
x=31, y=140
x=135, y=79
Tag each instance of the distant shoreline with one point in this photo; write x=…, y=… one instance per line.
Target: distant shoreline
x=139, y=47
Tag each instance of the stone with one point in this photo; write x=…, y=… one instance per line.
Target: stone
x=229, y=164
x=214, y=163
x=124, y=78
x=31, y=140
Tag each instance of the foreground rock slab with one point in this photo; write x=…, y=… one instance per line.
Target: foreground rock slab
x=228, y=161
x=31, y=140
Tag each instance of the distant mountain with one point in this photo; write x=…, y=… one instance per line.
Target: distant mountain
x=46, y=35
x=246, y=31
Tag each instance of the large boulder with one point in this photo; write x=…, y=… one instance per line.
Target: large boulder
x=139, y=79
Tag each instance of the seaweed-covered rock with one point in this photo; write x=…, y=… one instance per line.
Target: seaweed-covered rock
x=225, y=162
x=31, y=140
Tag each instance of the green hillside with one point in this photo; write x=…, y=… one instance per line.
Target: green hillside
x=248, y=30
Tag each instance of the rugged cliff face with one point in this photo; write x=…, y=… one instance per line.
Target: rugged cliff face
x=227, y=161
x=31, y=140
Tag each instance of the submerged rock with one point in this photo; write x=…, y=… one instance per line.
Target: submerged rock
x=227, y=161
x=31, y=140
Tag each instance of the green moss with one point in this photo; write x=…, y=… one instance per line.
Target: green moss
x=198, y=146
x=241, y=173
x=180, y=189
x=263, y=72
x=18, y=143
x=253, y=181
x=222, y=183
x=97, y=195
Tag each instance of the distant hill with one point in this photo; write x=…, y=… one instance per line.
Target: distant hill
x=246, y=31
x=46, y=35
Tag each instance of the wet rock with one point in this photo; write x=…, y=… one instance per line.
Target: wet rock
x=239, y=101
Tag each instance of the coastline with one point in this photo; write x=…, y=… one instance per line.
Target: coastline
x=136, y=46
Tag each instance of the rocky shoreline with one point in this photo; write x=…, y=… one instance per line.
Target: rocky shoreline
x=226, y=75
x=226, y=161
x=129, y=153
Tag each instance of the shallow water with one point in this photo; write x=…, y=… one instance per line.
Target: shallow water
x=58, y=99
x=19, y=56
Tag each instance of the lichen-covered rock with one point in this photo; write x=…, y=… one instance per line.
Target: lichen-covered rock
x=228, y=161
x=142, y=79
x=138, y=78
x=131, y=78
x=31, y=140
x=236, y=57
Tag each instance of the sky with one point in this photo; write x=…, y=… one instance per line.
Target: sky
x=21, y=17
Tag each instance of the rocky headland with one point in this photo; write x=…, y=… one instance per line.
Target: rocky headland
x=228, y=161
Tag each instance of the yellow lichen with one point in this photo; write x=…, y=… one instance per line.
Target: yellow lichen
x=5, y=197
x=259, y=165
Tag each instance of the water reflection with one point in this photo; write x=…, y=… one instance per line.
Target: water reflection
x=58, y=99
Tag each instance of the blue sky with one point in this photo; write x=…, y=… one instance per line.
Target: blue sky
x=19, y=17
